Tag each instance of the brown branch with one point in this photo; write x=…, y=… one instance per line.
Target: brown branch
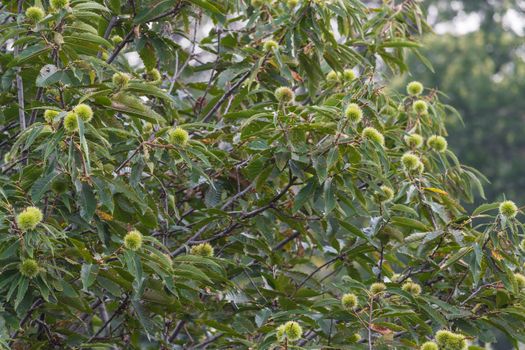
x=329, y=262
x=117, y=312
x=193, y=239
x=282, y=243
x=247, y=74
x=123, y=164
x=112, y=22
x=127, y=38
x=176, y=331
x=225, y=96
x=38, y=97
x=207, y=342
x=12, y=165
x=214, y=70
x=19, y=82
x=35, y=306
x=121, y=45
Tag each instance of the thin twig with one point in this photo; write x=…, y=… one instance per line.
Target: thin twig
x=20, y=83
x=112, y=22
x=38, y=97
x=193, y=239
x=207, y=342
x=246, y=75
x=370, y=317
x=225, y=97
x=329, y=262
x=214, y=70
x=121, y=45
x=45, y=327
x=117, y=312
x=248, y=215
x=8, y=127
x=123, y=164
x=176, y=331
x=12, y=165
x=282, y=243
x=26, y=318
x=178, y=71
x=127, y=38
x=308, y=336
x=476, y=292
x=380, y=264
x=236, y=196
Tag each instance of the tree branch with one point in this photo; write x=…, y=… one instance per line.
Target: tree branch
x=282, y=243
x=117, y=312
x=329, y=262
x=19, y=82
x=121, y=45
x=127, y=38
x=225, y=97
x=176, y=331
x=207, y=342
x=193, y=239
x=33, y=307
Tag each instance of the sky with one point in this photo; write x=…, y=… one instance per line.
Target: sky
x=466, y=23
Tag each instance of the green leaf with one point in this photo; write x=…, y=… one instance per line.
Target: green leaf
x=8, y=250
x=87, y=38
x=210, y=7
x=150, y=12
x=147, y=54
x=148, y=90
x=455, y=257
x=410, y=223
x=83, y=143
x=29, y=53
x=400, y=43
x=485, y=207
x=88, y=274
x=42, y=185
x=191, y=272
x=89, y=5
x=87, y=200
x=304, y=195
x=329, y=196
x=135, y=107
x=22, y=290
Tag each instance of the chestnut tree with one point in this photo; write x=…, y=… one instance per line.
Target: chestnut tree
x=227, y=174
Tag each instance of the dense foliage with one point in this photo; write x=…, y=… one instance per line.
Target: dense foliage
x=223, y=174
x=484, y=82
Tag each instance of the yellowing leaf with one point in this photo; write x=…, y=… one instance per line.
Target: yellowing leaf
x=435, y=190
x=104, y=216
x=496, y=255
x=380, y=329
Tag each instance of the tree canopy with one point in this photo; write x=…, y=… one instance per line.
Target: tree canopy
x=183, y=174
